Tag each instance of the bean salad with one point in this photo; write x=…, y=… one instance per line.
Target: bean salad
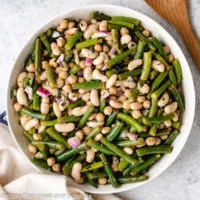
x=100, y=100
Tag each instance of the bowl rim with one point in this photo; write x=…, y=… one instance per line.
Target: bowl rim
x=95, y=7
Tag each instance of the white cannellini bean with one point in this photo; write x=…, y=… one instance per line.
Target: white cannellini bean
x=87, y=73
x=175, y=118
x=43, y=76
x=163, y=100
x=125, y=39
x=31, y=124
x=20, y=78
x=157, y=65
x=171, y=108
x=86, y=97
x=24, y=119
x=55, y=49
x=144, y=89
x=98, y=137
x=128, y=150
x=102, y=181
x=115, y=104
x=90, y=30
x=135, y=106
x=76, y=172
x=71, y=31
x=56, y=110
x=129, y=83
x=94, y=98
x=64, y=127
x=103, y=25
x=41, y=128
x=17, y=107
x=111, y=81
x=96, y=74
x=134, y=64
x=44, y=108
x=167, y=123
x=99, y=59
x=21, y=97
x=90, y=155
x=94, y=124
x=79, y=111
x=136, y=114
x=87, y=53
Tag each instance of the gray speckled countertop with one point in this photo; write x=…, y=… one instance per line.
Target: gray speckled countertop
x=19, y=19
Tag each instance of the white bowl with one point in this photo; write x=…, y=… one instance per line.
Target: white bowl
x=157, y=31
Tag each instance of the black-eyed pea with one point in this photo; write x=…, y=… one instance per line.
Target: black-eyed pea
x=83, y=25
x=124, y=31
x=92, y=116
x=102, y=181
x=17, y=107
x=100, y=117
x=171, y=58
x=157, y=65
x=141, y=99
x=98, y=47
x=81, y=79
x=38, y=155
x=87, y=130
x=71, y=25
x=63, y=74
x=65, y=134
x=163, y=100
x=60, y=83
x=41, y=128
x=63, y=23
x=60, y=41
x=72, y=79
x=146, y=33
x=32, y=149
x=158, y=141
x=105, y=130
x=167, y=123
x=166, y=49
x=71, y=31
x=90, y=155
x=30, y=68
x=106, y=48
x=67, y=89
x=55, y=49
x=150, y=141
x=53, y=63
x=107, y=110
x=145, y=89
x=56, y=168
x=146, y=104
x=161, y=126
x=136, y=106
x=98, y=137
x=112, y=91
x=163, y=137
x=64, y=127
x=171, y=107
x=51, y=161
x=136, y=114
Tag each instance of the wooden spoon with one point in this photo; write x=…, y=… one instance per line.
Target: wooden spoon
x=176, y=13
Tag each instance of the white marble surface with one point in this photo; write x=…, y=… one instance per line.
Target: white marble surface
x=19, y=19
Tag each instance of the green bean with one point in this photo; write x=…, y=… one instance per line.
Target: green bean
x=115, y=131
x=153, y=74
x=153, y=130
x=159, y=47
x=49, y=33
x=161, y=59
x=172, y=77
x=88, y=85
x=118, y=59
x=99, y=16
x=72, y=41
x=64, y=119
x=146, y=66
x=164, y=131
x=96, y=175
x=86, y=116
x=109, y=171
x=25, y=82
x=42, y=148
x=114, y=26
x=46, y=43
x=92, y=167
x=69, y=54
x=128, y=143
x=140, y=49
x=40, y=163
x=28, y=136
x=171, y=137
x=176, y=125
x=57, y=136
x=146, y=121
x=134, y=93
x=74, y=70
x=177, y=97
x=153, y=150
x=109, y=73
x=145, y=165
x=91, y=181
x=118, y=151
x=115, y=39
x=98, y=146
x=111, y=118
x=128, y=170
x=132, y=73
x=131, y=121
x=37, y=55
x=130, y=179
x=88, y=43
x=102, y=105
x=51, y=144
x=50, y=77
x=178, y=71
x=160, y=119
x=157, y=82
x=67, y=154
x=122, y=23
x=36, y=102
x=144, y=135
x=134, y=21
x=33, y=114
x=67, y=167
x=123, y=164
x=161, y=90
x=75, y=104
x=93, y=133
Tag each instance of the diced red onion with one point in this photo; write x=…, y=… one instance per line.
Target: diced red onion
x=113, y=50
x=80, y=74
x=100, y=34
x=74, y=142
x=88, y=62
x=132, y=136
x=42, y=92
x=29, y=92
x=56, y=34
x=61, y=58
x=119, y=92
